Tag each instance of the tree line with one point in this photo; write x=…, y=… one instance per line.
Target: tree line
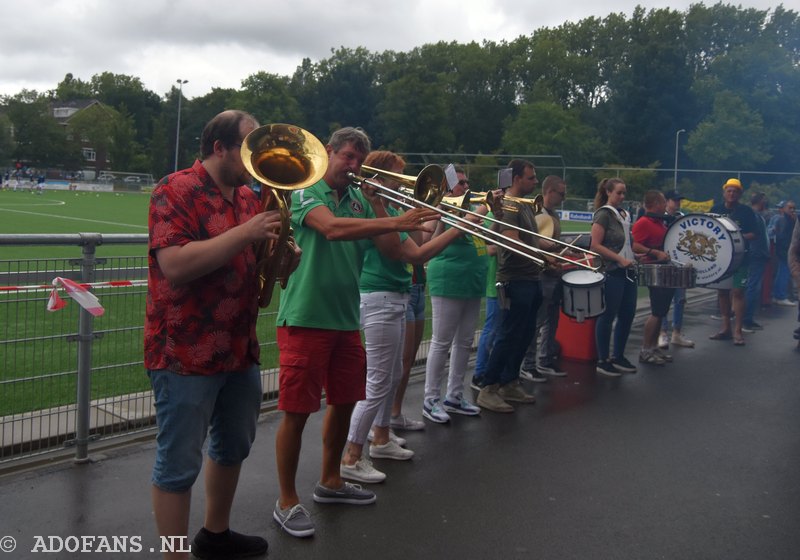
x=599, y=93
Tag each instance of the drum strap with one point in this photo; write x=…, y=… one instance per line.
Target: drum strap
x=627, y=248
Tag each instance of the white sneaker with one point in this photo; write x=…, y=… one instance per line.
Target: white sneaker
x=390, y=450
x=786, y=302
x=679, y=340
x=392, y=437
x=663, y=340
x=362, y=471
x=457, y=404
x=402, y=422
x=432, y=410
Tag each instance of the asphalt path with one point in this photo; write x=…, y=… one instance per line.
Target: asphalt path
x=694, y=460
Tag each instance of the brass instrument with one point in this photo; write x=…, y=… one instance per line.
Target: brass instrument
x=284, y=158
x=426, y=190
x=544, y=222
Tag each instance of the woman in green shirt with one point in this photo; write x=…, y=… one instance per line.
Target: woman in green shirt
x=384, y=287
x=456, y=283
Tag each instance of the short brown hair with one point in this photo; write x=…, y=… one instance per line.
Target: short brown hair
x=652, y=197
x=518, y=167
x=225, y=128
x=551, y=183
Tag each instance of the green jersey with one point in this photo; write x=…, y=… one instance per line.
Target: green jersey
x=385, y=275
x=459, y=271
x=323, y=292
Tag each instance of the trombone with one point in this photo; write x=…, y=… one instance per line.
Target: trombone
x=544, y=223
x=423, y=191
x=428, y=191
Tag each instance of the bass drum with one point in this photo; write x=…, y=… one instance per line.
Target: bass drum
x=584, y=294
x=712, y=245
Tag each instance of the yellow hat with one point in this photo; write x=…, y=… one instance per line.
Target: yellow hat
x=736, y=183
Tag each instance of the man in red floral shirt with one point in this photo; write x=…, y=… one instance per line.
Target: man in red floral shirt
x=201, y=350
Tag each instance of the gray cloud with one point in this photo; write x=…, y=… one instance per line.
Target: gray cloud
x=218, y=44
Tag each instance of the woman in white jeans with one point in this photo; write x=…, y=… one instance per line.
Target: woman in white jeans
x=456, y=283
x=385, y=285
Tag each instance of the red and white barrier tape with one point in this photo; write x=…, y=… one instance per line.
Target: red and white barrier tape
x=79, y=292
x=91, y=285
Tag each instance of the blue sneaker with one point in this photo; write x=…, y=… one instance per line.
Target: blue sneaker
x=432, y=410
x=457, y=404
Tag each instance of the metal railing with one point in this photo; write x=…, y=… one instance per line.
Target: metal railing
x=68, y=378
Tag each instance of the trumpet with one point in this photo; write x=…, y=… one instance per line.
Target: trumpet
x=284, y=158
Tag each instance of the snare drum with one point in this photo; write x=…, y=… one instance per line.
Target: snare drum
x=666, y=276
x=712, y=245
x=584, y=294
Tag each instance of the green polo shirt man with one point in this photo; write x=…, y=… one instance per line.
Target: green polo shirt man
x=318, y=321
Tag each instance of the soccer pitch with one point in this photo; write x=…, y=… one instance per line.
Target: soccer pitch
x=61, y=212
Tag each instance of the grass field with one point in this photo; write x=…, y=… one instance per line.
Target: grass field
x=37, y=362
x=71, y=212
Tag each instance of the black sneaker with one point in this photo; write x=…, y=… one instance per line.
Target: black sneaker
x=607, y=368
x=622, y=364
x=752, y=327
x=230, y=544
x=532, y=375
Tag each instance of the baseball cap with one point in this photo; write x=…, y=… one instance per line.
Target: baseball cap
x=781, y=204
x=733, y=183
x=673, y=195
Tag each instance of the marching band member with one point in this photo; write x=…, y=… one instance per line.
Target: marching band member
x=200, y=346
x=318, y=321
x=384, y=287
x=649, y=232
x=456, y=281
x=540, y=358
x=612, y=240
x=520, y=297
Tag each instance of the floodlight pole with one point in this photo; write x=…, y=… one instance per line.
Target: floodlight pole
x=675, y=181
x=178, y=127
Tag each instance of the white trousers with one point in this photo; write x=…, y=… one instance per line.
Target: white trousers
x=454, y=322
x=383, y=319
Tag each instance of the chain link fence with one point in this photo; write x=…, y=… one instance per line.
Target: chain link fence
x=67, y=378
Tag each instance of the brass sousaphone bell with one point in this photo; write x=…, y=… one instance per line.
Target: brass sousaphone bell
x=284, y=158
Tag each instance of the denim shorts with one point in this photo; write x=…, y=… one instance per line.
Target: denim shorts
x=415, y=310
x=224, y=406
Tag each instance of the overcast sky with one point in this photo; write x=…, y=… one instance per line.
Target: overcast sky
x=218, y=44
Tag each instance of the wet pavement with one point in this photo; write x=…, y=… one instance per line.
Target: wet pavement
x=694, y=460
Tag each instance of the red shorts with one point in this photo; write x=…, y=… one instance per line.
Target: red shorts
x=313, y=359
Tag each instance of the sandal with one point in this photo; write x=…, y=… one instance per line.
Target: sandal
x=725, y=335
x=738, y=342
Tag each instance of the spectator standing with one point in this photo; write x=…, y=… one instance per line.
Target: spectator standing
x=781, y=227
x=758, y=257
